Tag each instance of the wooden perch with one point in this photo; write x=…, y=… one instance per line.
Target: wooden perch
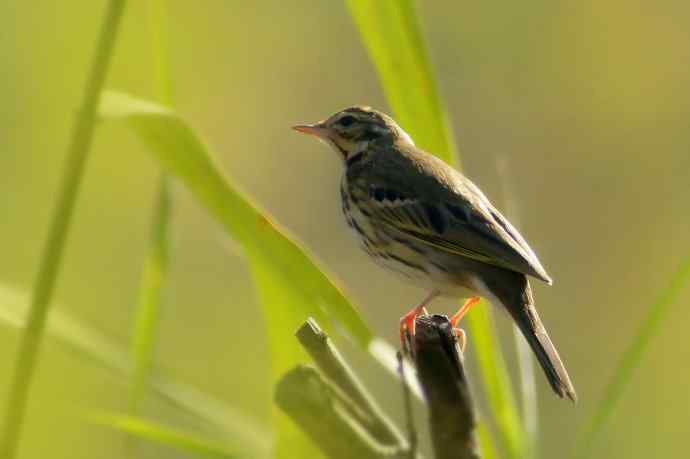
x=440, y=368
x=325, y=415
x=335, y=369
x=333, y=407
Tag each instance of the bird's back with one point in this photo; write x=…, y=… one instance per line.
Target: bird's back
x=429, y=201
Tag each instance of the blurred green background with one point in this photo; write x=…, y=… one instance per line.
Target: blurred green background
x=581, y=107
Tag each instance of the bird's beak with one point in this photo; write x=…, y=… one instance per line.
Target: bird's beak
x=317, y=129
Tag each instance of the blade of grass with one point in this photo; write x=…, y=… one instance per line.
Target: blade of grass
x=528, y=384
x=290, y=285
x=175, y=145
x=391, y=33
x=496, y=380
x=160, y=37
x=80, y=144
x=250, y=435
x=157, y=259
x=632, y=357
x=164, y=435
x=487, y=451
x=150, y=295
x=89, y=344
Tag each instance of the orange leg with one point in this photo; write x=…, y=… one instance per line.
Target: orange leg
x=459, y=332
x=463, y=310
x=407, y=322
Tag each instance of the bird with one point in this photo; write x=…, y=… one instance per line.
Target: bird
x=420, y=218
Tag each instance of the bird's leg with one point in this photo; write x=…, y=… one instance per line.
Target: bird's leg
x=457, y=317
x=460, y=333
x=407, y=322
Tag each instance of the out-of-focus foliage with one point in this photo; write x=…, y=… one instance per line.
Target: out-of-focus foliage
x=633, y=355
x=92, y=348
x=164, y=435
x=587, y=104
x=291, y=287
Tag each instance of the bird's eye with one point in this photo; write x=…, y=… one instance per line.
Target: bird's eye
x=345, y=121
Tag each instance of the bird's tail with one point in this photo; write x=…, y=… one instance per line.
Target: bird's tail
x=521, y=308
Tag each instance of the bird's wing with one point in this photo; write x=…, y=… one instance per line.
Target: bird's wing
x=455, y=218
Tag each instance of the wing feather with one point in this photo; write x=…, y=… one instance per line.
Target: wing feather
x=422, y=197
x=478, y=232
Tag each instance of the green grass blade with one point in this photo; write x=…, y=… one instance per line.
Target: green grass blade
x=525, y=359
x=159, y=23
x=91, y=345
x=633, y=355
x=392, y=34
x=250, y=435
x=79, y=338
x=80, y=144
x=170, y=139
x=496, y=380
x=528, y=393
x=163, y=435
x=150, y=296
x=291, y=286
x=487, y=449
x=156, y=267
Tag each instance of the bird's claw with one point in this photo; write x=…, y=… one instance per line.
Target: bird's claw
x=461, y=336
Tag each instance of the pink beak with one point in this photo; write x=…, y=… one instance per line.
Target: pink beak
x=318, y=129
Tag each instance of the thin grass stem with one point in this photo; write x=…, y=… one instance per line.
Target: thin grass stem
x=156, y=265
x=80, y=143
x=631, y=359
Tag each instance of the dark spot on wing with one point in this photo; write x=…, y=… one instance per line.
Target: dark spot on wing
x=378, y=193
x=392, y=195
x=458, y=212
x=438, y=223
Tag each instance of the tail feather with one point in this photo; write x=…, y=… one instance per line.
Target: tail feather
x=533, y=330
x=515, y=295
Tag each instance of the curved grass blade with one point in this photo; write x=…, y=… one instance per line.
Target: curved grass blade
x=391, y=33
x=89, y=344
x=156, y=263
x=269, y=246
x=164, y=435
x=51, y=257
x=632, y=357
x=291, y=286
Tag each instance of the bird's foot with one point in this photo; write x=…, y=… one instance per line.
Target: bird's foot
x=461, y=336
x=407, y=324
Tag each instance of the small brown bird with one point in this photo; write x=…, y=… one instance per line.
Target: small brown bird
x=417, y=216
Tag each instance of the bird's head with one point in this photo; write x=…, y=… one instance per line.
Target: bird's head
x=352, y=130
